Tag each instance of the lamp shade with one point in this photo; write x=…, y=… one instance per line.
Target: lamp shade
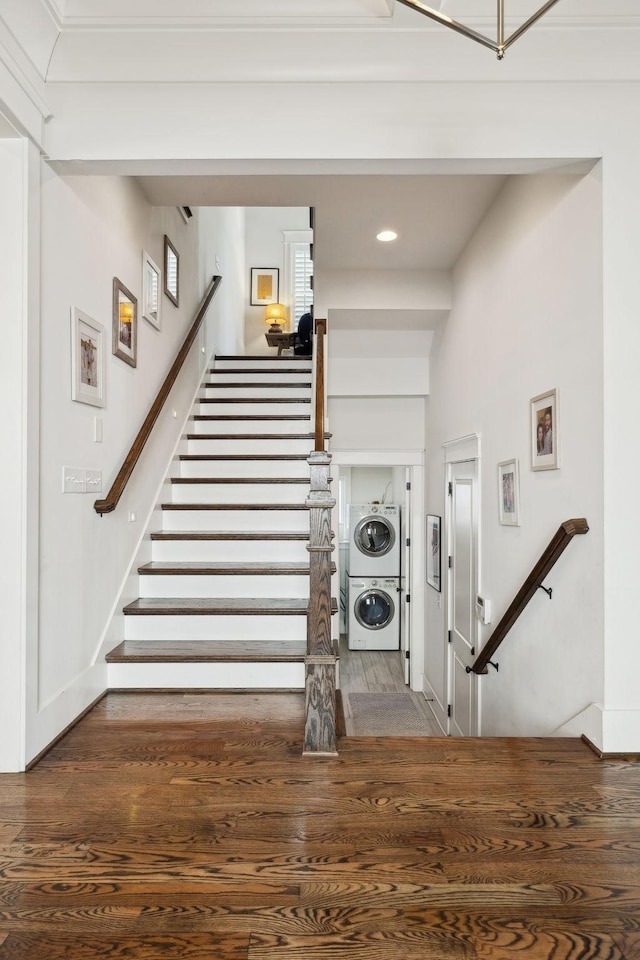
x=275, y=314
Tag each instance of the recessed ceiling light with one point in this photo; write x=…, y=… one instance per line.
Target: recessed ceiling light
x=386, y=235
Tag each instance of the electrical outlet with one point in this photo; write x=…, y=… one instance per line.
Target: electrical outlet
x=97, y=429
x=73, y=480
x=132, y=516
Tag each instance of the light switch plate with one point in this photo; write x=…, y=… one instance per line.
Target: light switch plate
x=73, y=480
x=94, y=481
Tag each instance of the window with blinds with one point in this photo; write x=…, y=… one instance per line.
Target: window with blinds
x=302, y=282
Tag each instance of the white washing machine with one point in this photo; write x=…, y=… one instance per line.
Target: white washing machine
x=374, y=540
x=374, y=613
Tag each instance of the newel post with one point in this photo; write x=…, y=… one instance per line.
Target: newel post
x=321, y=659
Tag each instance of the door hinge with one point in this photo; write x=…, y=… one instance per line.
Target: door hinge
x=407, y=655
x=450, y=562
x=408, y=598
x=473, y=651
x=449, y=710
x=408, y=485
x=408, y=542
x=449, y=635
x=450, y=489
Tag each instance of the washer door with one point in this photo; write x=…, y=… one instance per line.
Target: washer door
x=374, y=609
x=374, y=537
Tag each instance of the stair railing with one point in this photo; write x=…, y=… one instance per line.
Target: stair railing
x=110, y=502
x=321, y=657
x=559, y=543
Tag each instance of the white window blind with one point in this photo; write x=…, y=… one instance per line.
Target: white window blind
x=302, y=294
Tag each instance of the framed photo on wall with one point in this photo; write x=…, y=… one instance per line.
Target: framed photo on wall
x=87, y=359
x=171, y=271
x=124, y=324
x=545, y=431
x=150, y=291
x=265, y=282
x=509, y=493
x=433, y=551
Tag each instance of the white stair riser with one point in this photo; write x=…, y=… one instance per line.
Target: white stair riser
x=249, y=426
x=264, y=363
x=198, y=676
x=244, y=468
x=231, y=627
x=267, y=393
x=221, y=376
x=259, y=445
x=240, y=585
x=239, y=492
x=247, y=520
x=217, y=409
x=229, y=551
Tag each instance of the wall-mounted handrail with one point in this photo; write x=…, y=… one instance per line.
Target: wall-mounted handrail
x=561, y=540
x=110, y=502
x=321, y=332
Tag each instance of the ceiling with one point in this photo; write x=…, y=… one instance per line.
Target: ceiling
x=434, y=216
x=91, y=44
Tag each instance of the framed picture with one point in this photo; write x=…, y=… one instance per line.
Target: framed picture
x=509, y=493
x=545, y=435
x=433, y=551
x=265, y=282
x=171, y=271
x=150, y=291
x=125, y=324
x=87, y=359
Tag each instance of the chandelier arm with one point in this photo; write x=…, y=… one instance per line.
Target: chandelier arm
x=452, y=24
x=529, y=23
x=500, y=25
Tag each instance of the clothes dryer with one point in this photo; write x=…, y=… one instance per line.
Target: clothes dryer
x=374, y=613
x=374, y=540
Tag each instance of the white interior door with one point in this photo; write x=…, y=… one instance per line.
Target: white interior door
x=462, y=590
x=405, y=579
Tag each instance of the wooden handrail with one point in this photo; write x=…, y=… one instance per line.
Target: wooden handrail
x=561, y=540
x=321, y=331
x=110, y=502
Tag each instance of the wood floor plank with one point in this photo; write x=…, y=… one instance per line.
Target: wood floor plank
x=191, y=825
x=60, y=946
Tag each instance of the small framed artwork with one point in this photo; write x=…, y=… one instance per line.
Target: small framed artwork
x=433, y=551
x=545, y=435
x=509, y=493
x=150, y=291
x=125, y=324
x=87, y=359
x=171, y=271
x=265, y=282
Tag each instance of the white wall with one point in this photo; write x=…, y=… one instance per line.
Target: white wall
x=376, y=423
x=264, y=247
x=95, y=228
x=221, y=236
x=527, y=317
x=390, y=363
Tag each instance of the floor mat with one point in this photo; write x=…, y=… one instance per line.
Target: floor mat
x=386, y=715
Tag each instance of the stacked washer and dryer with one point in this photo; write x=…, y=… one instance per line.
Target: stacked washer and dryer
x=373, y=577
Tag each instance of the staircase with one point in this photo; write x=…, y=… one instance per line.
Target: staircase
x=223, y=602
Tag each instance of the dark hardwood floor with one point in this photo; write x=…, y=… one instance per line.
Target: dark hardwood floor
x=190, y=826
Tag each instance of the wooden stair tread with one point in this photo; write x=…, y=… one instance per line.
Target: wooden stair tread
x=261, y=370
x=234, y=506
x=240, y=480
x=253, y=436
x=200, y=651
x=283, y=457
x=240, y=385
x=242, y=417
x=229, y=535
x=219, y=606
x=253, y=400
x=262, y=357
x=227, y=567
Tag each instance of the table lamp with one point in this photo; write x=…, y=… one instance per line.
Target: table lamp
x=275, y=314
